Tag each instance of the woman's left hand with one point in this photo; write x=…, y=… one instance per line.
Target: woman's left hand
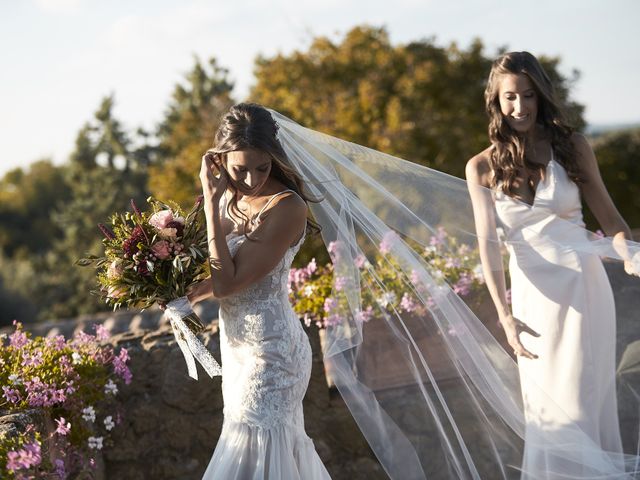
x=212, y=187
x=632, y=266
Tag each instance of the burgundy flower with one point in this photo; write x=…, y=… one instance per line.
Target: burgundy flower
x=130, y=245
x=136, y=209
x=106, y=232
x=179, y=226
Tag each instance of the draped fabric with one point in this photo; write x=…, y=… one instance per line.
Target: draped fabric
x=413, y=342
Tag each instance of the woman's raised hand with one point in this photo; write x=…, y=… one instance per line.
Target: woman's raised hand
x=212, y=187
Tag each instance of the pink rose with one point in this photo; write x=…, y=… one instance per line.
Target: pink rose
x=161, y=219
x=161, y=249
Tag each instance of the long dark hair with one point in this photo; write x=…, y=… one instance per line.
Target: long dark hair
x=508, y=152
x=250, y=126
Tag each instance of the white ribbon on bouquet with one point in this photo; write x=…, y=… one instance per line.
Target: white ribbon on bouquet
x=191, y=347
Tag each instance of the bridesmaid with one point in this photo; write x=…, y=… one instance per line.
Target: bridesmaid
x=562, y=327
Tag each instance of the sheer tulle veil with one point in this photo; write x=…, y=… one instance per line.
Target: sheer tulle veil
x=428, y=379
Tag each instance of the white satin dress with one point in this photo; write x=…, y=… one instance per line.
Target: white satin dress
x=569, y=391
x=266, y=366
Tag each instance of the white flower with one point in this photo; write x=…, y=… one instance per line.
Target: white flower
x=109, y=423
x=95, y=442
x=76, y=357
x=15, y=379
x=111, y=387
x=386, y=299
x=477, y=273
x=3, y=336
x=308, y=290
x=89, y=414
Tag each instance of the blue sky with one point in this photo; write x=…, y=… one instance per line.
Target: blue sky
x=60, y=57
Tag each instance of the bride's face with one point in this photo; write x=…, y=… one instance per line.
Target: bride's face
x=518, y=101
x=249, y=170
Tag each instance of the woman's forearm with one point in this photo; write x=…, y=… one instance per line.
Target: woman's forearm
x=494, y=277
x=222, y=266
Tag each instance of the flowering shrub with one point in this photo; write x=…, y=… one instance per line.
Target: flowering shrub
x=74, y=382
x=313, y=288
x=151, y=256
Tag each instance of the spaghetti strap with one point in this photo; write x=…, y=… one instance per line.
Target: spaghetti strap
x=266, y=205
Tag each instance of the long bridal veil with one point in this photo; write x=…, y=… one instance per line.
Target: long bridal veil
x=414, y=347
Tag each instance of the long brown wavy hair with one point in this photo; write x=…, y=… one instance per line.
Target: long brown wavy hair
x=250, y=126
x=508, y=152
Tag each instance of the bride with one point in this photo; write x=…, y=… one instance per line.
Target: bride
x=256, y=212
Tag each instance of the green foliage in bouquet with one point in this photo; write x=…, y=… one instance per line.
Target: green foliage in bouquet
x=151, y=256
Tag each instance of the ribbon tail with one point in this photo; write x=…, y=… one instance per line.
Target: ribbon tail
x=178, y=333
x=193, y=349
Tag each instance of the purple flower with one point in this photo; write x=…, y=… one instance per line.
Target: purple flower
x=331, y=320
x=330, y=304
x=364, y=315
x=340, y=283
x=463, y=286
x=438, y=238
x=408, y=304
x=334, y=248
x=389, y=239
x=120, y=366
x=102, y=333
x=312, y=266
x=60, y=470
x=11, y=394
x=32, y=359
x=18, y=339
x=25, y=458
x=360, y=260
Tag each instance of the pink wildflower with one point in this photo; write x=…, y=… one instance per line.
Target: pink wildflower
x=102, y=333
x=408, y=304
x=63, y=426
x=389, y=239
x=11, y=394
x=25, y=458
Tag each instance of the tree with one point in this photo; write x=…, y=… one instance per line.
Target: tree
x=618, y=155
x=187, y=132
x=417, y=101
x=27, y=199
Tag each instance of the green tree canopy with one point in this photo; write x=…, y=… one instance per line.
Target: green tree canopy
x=418, y=101
x=187, y=131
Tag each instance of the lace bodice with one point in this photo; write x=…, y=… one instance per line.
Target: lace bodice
x=266, y=358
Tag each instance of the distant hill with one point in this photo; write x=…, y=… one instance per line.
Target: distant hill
x=597, y=129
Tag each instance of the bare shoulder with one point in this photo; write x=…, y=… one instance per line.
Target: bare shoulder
x=580, y=142
x=478, y=168
x=289, y=208
x=584, y=153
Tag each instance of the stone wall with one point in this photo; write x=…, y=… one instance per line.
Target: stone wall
x=173, y=422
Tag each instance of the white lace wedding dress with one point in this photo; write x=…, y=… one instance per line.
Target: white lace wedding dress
x=266, y=365
x=566, y=297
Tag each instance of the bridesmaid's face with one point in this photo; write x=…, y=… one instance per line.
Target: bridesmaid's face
x=249, y=170
x=518, y=101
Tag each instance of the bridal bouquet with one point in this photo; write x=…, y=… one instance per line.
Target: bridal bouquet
x=154, y=257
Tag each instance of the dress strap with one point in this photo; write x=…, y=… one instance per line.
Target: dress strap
x=266, y=205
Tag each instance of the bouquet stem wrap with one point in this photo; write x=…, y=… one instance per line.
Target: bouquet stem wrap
x=185, y=322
